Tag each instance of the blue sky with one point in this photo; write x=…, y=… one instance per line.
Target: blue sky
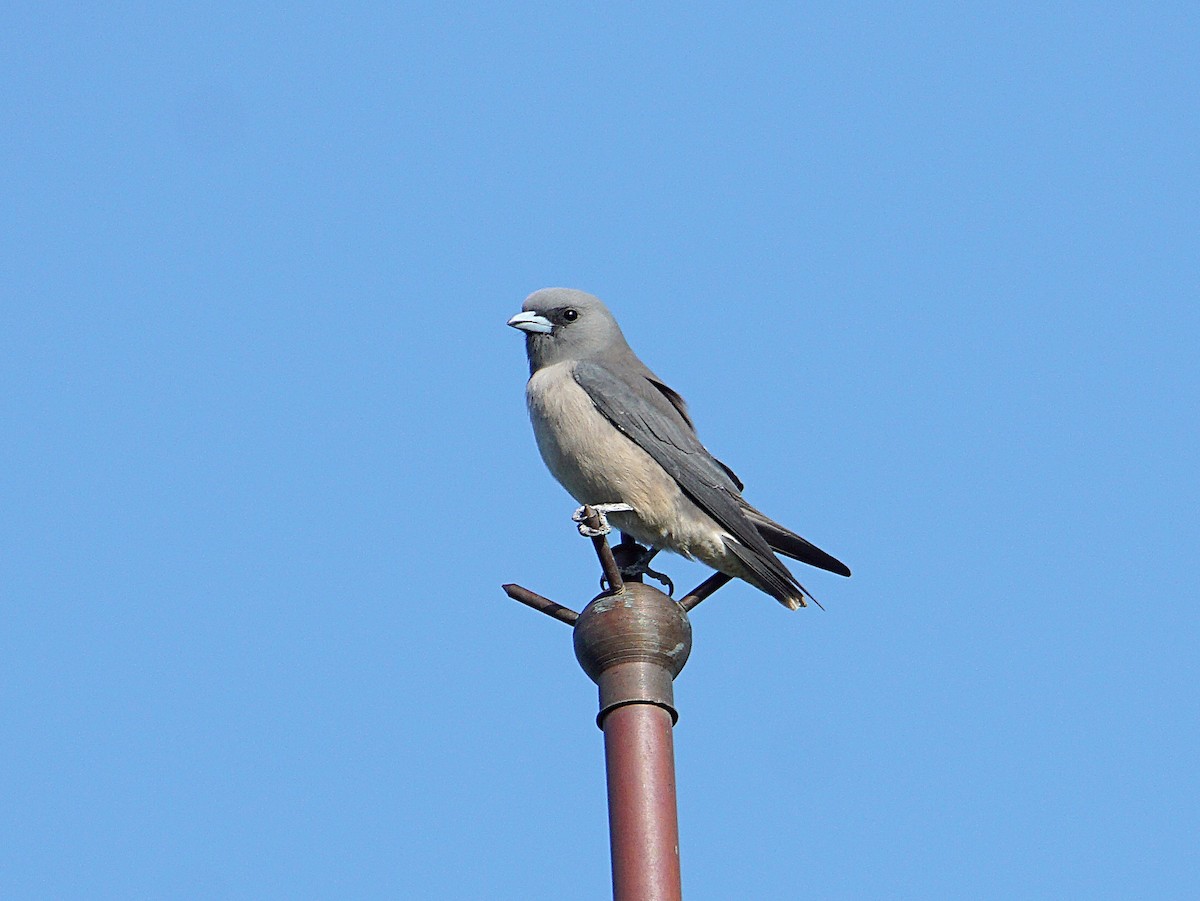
x=927, y=276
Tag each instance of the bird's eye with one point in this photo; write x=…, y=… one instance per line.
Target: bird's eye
x=570, y=315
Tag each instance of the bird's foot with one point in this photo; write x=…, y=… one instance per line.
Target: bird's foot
x=642, y=568
x=580, y=516
x=662, y=577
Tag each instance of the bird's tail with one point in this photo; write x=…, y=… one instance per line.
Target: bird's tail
x=788, y=543
x=765, y=571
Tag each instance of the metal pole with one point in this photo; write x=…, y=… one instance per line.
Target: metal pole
x=642, y=822
x=633, y=643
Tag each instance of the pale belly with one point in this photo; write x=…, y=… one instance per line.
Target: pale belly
x=598, y=465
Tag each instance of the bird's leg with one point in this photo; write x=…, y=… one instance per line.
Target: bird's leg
x=601, y=514
x=641, y=567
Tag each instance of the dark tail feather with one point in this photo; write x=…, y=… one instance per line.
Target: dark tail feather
x=792, y=545
x=768, y=574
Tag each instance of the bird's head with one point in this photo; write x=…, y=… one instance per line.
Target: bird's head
x=562, y=324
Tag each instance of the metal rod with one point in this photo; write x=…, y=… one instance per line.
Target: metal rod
x=703, y=590
x=537, y=602
x=639, y=756
x=612, y=572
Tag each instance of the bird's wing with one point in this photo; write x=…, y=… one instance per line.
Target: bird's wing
x=679, y=404
x=674, y=397
x=785, y=541
x=650, y=418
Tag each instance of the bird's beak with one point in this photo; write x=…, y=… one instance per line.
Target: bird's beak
x=531, y=322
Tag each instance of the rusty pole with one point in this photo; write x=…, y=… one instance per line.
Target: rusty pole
x=632, y=641
x=643, y=824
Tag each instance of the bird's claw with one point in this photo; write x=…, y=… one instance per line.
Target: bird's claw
x=661, y=577
x=642, y=568
x=631, y=572
x=580, y=516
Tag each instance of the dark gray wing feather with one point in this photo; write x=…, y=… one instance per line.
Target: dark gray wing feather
x=679, y=404
x=785, y=541
x=675, y=398
x=651, y=419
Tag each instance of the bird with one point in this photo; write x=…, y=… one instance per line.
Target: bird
x=615, y=435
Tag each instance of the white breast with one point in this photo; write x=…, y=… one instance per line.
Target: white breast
x=598, y=464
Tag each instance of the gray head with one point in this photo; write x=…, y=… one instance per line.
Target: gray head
x=564, y=324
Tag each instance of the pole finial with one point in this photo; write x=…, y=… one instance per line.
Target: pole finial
x=633, y=643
